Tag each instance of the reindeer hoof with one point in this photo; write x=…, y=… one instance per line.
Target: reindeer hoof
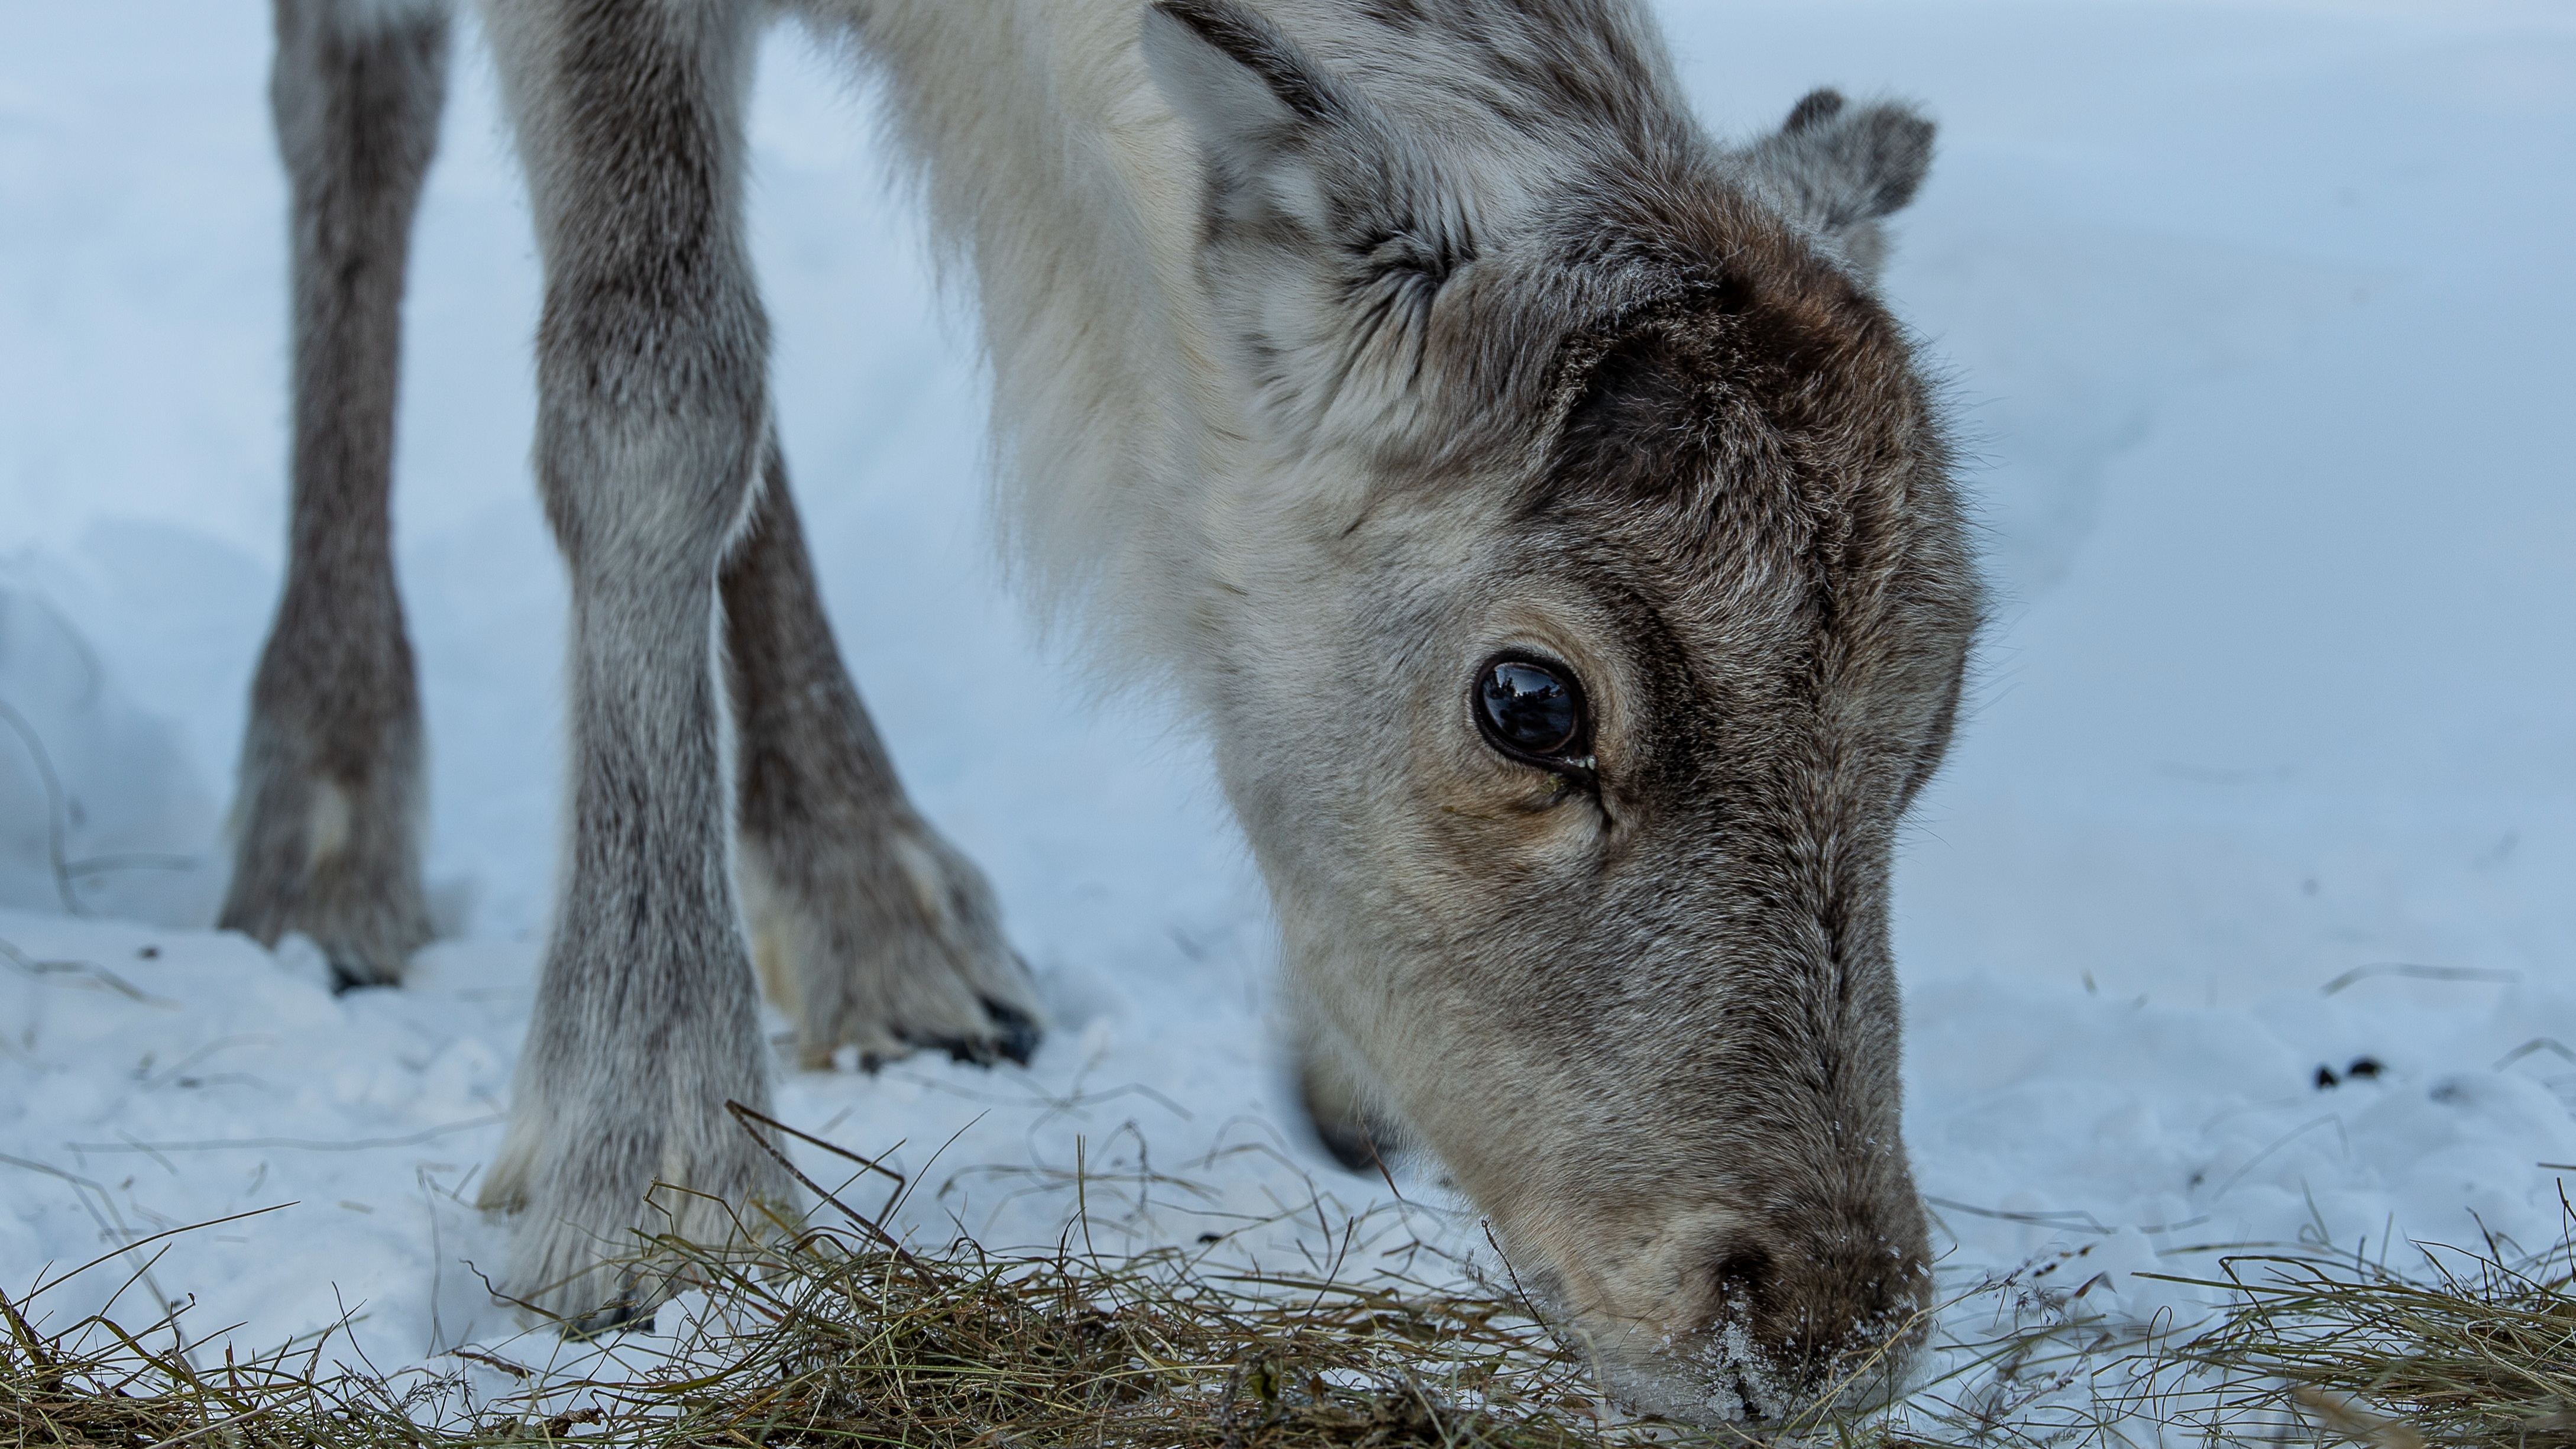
x=888, y=943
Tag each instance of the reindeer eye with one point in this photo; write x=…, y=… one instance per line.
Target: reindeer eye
x=1530, y=709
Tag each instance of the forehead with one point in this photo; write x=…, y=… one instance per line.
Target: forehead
x=1758, y=462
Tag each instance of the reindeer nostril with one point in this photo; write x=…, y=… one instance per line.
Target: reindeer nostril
x=1743, y=1274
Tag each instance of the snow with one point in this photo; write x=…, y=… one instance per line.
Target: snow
x=2256, y=314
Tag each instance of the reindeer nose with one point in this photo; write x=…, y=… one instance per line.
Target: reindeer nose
x=1826, y=1321
x=1743, y=1277
x=1776, y=1323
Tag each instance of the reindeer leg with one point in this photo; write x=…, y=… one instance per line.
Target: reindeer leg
x=868, y=927
x=327, y=821
x=652, y=421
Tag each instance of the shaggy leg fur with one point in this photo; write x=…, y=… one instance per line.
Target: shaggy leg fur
x=652, y=422
x=328, y=817
x=868, y=928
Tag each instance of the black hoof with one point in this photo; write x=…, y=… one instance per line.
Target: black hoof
x=348, y=976
x=623, y=1316
x=972, y=1052
x=1017, y=1031
x=1352, y=1147
x=1015, y=1038
x=1343, y=1130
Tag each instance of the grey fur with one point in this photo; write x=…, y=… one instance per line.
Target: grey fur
x=1339, y=347
x=327, y=821
x=1402, y=333
x=868, y=927
x=1840, y=170
x=652, y=419
x=1711, y=483
x=661, y=479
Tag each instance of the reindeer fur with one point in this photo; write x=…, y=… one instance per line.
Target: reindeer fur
x=1338, y=347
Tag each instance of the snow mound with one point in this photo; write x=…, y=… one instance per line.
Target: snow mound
x=101, y=812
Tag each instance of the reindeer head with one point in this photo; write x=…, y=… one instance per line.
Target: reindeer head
x=1593, y=599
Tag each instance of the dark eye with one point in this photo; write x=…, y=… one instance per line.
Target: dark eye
x=1532, y=709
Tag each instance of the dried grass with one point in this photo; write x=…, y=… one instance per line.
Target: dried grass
x=836, y=1334
x=2474, y=1347
x=833, y=1337
x=2466, y=1348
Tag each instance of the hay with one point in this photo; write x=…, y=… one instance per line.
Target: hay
x=833, y=1337
x=836, y=1334
x=2464, y=1348
x=2474, y=1348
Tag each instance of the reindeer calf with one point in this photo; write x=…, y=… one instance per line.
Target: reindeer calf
x=1529, y=496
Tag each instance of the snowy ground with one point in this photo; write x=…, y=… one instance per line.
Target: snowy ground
x=2258, y=315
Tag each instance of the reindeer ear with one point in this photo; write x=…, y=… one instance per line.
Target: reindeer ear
x=1251, y=97
x=1840, y=168
x=1285, y=140
x=1331, y=233
x=1235, y=77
